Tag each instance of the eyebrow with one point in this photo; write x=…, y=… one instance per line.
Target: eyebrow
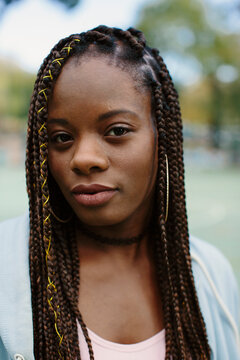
x=58, y=121
x=114, y=113
x=101, y=117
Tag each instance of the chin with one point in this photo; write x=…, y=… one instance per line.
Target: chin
x=99, y=219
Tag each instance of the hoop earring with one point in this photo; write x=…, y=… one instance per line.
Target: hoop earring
x=167, y=191
x=63, y=221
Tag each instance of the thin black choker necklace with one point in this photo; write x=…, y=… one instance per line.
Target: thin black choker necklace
x=112, y=241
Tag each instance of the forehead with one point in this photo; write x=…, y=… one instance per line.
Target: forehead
x=97, y=79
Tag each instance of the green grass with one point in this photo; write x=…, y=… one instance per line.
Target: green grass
x=13, y=193
x=213, y=203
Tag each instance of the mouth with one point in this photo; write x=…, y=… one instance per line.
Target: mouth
x=93, y=195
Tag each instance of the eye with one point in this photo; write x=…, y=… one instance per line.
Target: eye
x=61, y=138
x=118, y=131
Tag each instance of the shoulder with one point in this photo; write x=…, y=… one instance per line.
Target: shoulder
x=215, y=262
x=15, y=293
x=14, y=235
x=218, y=298
x=11, y=226
x=209, y=264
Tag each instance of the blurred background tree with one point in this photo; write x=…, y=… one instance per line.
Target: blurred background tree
x=201, y=44
x=69, y=4
x=15, y=92
x=16, y=85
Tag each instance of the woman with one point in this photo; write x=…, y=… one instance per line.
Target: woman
x=111, y=275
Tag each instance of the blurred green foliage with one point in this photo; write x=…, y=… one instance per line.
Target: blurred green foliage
x=69, y=4
x=15, y=92
x=196, y=34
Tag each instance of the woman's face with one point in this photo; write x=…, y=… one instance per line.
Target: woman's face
x=102, y=143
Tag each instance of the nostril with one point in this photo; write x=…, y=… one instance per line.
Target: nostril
x=86, y=169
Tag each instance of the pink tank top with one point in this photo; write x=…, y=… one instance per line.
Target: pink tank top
x=152, y=348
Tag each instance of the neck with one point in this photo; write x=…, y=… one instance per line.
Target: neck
x=121, y=242
x=113, y=241
x=139, y=224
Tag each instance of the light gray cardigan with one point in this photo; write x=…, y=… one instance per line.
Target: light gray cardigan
x=214, y=280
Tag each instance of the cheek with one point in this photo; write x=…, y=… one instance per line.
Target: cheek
x=57, y=166
x=53, y=164
x=139, y=163
x=146, y=167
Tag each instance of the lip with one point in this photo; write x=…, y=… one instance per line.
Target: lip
x=90, y=189
x=93, y=195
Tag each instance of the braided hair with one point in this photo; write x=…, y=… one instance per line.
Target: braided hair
x=54, y=262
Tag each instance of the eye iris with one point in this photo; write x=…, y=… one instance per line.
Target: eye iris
x=119, y=131
x=63, y=138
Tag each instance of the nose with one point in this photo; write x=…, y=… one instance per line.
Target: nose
x=89, y=156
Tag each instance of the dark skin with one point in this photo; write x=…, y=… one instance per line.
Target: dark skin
x=101, y=132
